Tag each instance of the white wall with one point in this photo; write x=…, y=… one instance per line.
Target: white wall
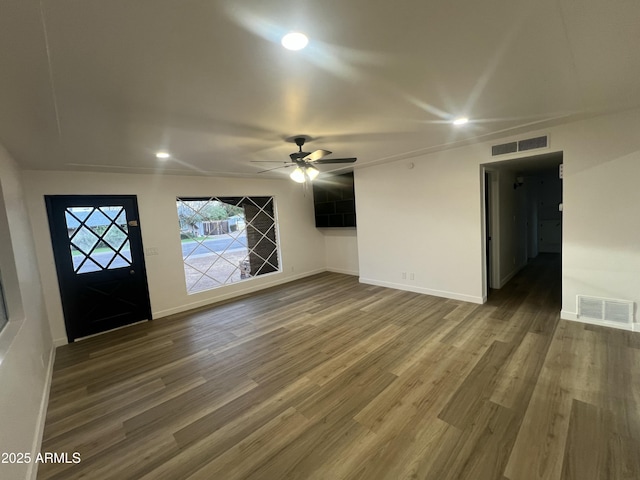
x=342, y=250
x=549, y=215
x=512, y=226
x=26, y=353
x=159, y=225
x=424, y=221
x=601, y=224
x=532, y=186
x=439, y=205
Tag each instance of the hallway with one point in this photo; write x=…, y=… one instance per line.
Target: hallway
x=537, y=285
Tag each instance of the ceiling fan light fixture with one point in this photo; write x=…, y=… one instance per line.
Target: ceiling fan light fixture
x=312, y=173
x=294, y=41
x=163, y=155
x=297, y=175
x=460, y=121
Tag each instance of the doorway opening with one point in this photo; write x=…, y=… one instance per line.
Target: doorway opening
x=522, y=215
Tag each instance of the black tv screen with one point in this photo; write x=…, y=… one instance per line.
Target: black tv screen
x=334, y=201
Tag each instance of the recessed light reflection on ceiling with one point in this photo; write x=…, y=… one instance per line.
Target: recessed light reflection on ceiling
x=460, y=121
x=294, y=41
x=163, y=155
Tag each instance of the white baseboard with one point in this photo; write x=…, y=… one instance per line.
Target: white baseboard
x=354, y=273
x=506, y=279
x=573, y=317
x=565, y=315
x=235, y=293
x=426, y=291
x=32, y=473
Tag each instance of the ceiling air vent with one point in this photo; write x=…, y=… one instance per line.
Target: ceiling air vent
x=603, y=309
x=504, y=148
x=520, y=146
x=533, y=143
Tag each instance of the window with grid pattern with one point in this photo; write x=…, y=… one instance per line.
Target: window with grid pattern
x=227, y=240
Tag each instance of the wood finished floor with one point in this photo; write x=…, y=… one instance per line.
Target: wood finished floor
x=326, y=378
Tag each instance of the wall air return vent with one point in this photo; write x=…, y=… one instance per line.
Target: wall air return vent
x=520, y=145
x=605, y=310
x=533, y=143
x=504, y=149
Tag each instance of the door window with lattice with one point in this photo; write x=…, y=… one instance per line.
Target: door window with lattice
x=98, y=238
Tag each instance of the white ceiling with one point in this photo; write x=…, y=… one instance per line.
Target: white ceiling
x=101, y=85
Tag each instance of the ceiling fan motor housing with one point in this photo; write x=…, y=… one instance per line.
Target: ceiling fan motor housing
x=305, y=160
x=298, y=155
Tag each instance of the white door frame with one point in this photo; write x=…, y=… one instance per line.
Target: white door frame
x=494, y=233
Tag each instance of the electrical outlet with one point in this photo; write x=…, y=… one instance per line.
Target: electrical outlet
x=404, y=275
x=151, y=251
x=411, y=276
x=293, y=269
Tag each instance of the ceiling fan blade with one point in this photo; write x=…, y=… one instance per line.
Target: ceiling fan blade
x=317, y=155
x=275, y=168
x=335, y=160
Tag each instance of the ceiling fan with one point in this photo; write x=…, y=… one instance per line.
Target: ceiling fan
x=305, y=162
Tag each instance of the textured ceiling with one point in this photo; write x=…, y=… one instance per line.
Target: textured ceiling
x=101, y=85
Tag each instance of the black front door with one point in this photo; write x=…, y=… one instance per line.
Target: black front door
x=99, y=258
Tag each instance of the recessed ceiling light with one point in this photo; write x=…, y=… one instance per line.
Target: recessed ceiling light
x=163, y=155
x=461, y=121
x=294, y=41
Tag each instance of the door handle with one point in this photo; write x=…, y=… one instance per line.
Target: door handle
x=131, y=272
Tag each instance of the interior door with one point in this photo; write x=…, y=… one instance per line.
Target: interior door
x=99, y=258
x=488, y=226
